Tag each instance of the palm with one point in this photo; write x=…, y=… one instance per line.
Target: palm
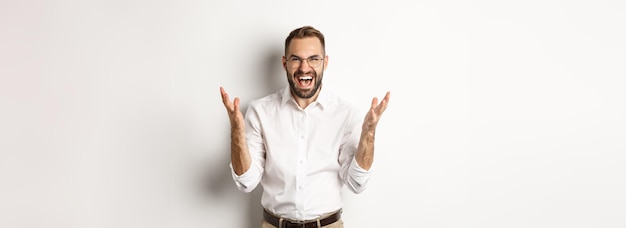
x=234, y=114
x=375, y=112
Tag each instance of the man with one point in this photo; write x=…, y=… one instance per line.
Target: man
x=302, y=143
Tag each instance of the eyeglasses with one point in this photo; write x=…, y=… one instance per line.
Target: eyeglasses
x=295, y=61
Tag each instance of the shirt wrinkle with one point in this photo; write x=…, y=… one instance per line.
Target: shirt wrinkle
x=302, y=158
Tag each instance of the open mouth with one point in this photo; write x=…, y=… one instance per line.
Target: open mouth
x=305, y=81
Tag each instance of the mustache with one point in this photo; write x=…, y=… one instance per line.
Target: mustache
x=299, y=73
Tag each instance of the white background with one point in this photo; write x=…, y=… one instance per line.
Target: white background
x=502, y=114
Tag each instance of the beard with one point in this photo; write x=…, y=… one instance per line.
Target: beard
x=305, y=93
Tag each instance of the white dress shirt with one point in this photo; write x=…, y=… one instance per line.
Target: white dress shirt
x=302, y=157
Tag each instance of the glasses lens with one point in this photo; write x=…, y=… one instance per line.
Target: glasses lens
x=294, y=62
x=314, y=62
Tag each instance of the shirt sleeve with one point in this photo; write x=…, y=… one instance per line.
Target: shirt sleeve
x=247, y=181
x=355, y=177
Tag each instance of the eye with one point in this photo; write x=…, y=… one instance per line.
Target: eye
x=315, y=59
x=294, y=59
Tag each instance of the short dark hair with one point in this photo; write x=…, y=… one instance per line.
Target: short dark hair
x=305, y=31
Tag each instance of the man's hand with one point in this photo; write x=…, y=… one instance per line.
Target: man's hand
x=234, y=114
x=239, y=155
x=365, y=152
x=374, y=114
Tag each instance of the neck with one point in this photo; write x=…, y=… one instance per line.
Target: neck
x=305, y=102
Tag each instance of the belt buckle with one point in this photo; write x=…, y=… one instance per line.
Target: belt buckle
x=296, y=224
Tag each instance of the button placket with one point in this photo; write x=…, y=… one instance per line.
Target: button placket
x=301, y=165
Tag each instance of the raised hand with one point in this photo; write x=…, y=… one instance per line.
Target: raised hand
x=234, y=114
x=373, y=115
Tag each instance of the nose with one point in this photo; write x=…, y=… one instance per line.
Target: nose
x=304, y=65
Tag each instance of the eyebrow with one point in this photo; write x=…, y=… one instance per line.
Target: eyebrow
x=318, y=56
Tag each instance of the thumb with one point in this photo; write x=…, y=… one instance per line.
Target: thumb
x=236, y=104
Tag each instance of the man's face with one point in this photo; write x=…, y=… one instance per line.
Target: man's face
x=304, y=77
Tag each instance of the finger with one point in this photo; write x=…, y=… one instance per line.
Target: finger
x=374, y=103
x=224, y=95
x=386, y=98
x=236, y=105
x=383, y=104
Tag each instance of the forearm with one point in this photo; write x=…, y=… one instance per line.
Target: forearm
x=239, y=155
x=365, y=152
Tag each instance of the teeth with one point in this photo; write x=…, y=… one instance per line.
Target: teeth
x=306, y=78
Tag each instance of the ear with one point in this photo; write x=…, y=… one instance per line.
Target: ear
x=325, y=62
x=284, y=63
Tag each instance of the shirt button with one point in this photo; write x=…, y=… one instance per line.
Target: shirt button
x=301, y=161
x=300, y=187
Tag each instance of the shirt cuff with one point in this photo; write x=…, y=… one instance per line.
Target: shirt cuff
x=244, y=180
x=358, y=177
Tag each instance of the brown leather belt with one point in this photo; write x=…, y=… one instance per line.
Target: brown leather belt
x=272, y=219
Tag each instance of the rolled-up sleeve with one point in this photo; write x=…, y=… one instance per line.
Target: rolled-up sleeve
x=355, y=177
x=247, y=181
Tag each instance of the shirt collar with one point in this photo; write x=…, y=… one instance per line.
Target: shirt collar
x=323, y=99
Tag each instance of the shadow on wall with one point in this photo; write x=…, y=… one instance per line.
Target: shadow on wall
x=220, y=181
x=274, y=73
x=219, y=178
